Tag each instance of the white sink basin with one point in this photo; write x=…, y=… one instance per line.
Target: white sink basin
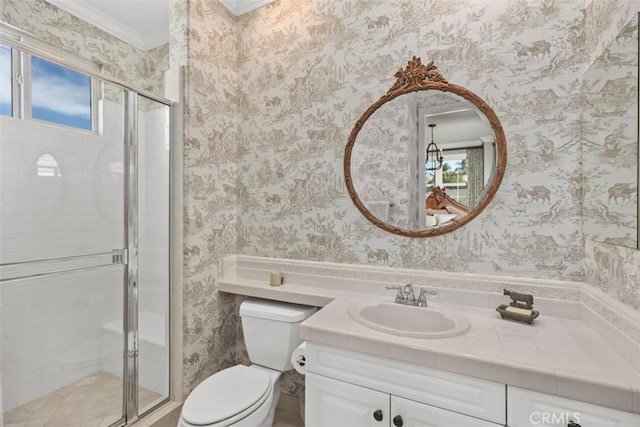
x=408, y=321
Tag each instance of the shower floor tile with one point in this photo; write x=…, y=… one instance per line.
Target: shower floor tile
x=94, y=401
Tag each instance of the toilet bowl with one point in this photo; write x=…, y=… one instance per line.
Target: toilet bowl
x=247, y=396
x=240, y=396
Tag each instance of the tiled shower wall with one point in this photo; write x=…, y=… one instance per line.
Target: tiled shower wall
x=86, y=297
x=51, y=325
x=58, y=329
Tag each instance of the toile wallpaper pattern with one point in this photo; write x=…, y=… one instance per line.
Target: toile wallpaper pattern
x=120, y=60
x=309, y=70
x=610, y=142
x=211, y=323
x=610, y=267
x=271, y=97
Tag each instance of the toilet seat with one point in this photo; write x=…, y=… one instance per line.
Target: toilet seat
x=227, y=397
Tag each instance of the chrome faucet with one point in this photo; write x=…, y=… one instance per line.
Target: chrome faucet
x=405, y=295
x=408, y=293
x=422, y=298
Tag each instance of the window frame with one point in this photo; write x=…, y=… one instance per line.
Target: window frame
x=22, y=91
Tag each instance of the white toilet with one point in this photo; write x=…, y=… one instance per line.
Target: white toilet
x=246, y=396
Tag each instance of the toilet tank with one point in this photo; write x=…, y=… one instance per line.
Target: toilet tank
x=272, y=331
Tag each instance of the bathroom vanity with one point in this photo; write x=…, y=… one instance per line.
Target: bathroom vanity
x=370, y=362
x=355, y=389
x=457, y=381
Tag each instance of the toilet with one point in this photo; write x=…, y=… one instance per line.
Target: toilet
x=246, y=396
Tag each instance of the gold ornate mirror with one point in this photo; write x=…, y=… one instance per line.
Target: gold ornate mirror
x=425, y=158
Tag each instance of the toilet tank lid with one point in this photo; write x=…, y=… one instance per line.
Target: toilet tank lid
x=275, y=310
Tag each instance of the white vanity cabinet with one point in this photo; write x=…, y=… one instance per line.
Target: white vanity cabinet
x=413, y=414
x=335, y=403
x=530, y=409
x=331, y=402
x=345, y=388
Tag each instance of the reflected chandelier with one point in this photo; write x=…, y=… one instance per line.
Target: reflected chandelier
x=434, y=158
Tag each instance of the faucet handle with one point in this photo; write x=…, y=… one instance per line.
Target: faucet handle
x=398, y=288
x=422, y=297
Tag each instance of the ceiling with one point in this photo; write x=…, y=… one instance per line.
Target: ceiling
x=142, y=23
x=238, y=7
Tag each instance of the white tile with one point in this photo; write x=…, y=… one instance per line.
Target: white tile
x=9, y=354
x=29, y=384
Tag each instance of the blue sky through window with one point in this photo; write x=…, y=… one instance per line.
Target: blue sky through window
x=5, y=81
x=60, y=95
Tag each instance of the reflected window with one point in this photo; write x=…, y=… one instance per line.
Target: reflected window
x=455, y=176
x=60, y=95
x=48, y=166
x=6, y=90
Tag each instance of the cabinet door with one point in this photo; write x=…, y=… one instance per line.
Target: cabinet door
x=331, y=403
x=407, y=413
x=531, y=409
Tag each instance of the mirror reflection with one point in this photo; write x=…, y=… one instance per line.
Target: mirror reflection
x=423, y=160
x=610, y=142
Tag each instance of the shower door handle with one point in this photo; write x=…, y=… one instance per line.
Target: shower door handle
x=66, y=264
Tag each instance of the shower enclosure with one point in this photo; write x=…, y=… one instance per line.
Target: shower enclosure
x=84, y=243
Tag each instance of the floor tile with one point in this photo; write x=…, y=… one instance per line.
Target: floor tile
x=94, y=401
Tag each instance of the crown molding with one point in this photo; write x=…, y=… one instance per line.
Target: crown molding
x=99, y=19
x=240, y=7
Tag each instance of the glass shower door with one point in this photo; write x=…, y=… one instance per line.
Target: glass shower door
x=63, y=264
x=153, y=252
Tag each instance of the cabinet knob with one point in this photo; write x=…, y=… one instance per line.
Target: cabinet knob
x=397, y=421
x=377, y=415
x=572, y=424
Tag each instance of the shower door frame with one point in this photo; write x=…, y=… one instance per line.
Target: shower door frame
x=19, y=40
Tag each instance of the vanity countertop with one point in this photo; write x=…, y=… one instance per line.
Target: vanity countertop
x=555, y=355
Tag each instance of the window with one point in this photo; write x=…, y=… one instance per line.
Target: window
x=6, y=102
x=46, y=91
x=60, y=95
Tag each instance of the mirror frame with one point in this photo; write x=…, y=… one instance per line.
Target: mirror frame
x=417, y=77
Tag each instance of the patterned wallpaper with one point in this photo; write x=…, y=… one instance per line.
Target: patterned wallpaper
x=210, y=190
x=610, y=142
x=308, y=71
x=271, y=98
x=611, y=268
x=63, y=30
